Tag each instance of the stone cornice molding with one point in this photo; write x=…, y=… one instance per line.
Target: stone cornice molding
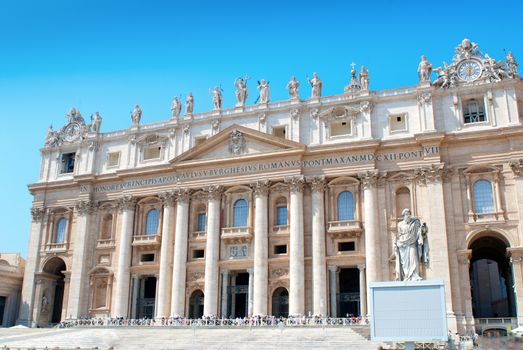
x=214, y=192
x=182, y=195
x=369, y=179
x=167, y=198
x=517, y=167
x=317, y=183
x=38, y=213
x=261, y=188
x=86, y=207
x=126, y=203
x=295, y=183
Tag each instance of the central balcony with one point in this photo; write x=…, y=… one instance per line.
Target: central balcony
x=344, y=228
x=56, y=247
x=237, y=234
x=198, y=235
x=105, y=244
x=146, y=240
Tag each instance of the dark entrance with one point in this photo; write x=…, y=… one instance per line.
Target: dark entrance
x=54, y=267
x=147, y=297
x=2, y=308
x=349, y=295
x=196, y=304
x=237, y=294
x=491, y=279
x=280, y=302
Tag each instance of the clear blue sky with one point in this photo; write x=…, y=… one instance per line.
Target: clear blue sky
x=108, y=56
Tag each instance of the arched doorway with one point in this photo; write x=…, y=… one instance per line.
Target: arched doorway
x=491, y=279
x=196, y=304
x=280, y=302
x=52, y=295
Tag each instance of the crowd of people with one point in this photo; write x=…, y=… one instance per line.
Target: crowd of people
x=211, y=321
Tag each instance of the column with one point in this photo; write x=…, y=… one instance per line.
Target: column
x=319, y=273
x=121, y=302
x=212, y=251
x=296, y=260
x=164, y=279
x=464, y=277
x=370, y=209
x=363, y=291
x=261, y=250
x=77, y=301
x=250, y=295
x=180, y=253
x=134, y=296
x=333, y=277
x=31, y=265
x=225, y=285
x=516, y=260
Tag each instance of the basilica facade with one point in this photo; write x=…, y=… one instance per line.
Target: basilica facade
x=288, y=207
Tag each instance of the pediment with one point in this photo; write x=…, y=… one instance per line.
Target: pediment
x=237, y=142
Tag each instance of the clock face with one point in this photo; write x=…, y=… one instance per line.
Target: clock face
x=72, y=132
x=469, y=70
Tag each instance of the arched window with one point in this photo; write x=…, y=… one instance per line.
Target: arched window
x=60, y=230
x=240, y=213
x=483, y=202
x=281, y=211
x=345, y=206
x=151, y=222
x=107, y=227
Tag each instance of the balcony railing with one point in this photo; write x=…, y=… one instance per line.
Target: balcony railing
x=56, y=247
x=279, y=229
x=237, y=234
x=142, y=240
x=344, y=228
x=105, y=243
x=197, y=235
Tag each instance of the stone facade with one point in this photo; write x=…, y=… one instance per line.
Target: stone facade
x=11, y=275
x=285, y=207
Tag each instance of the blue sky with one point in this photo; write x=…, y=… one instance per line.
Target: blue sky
x=108, y=56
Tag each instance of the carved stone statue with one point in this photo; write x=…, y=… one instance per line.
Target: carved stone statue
x=189, y=104
x=494, y=71
x=74, y=116
x=316, y=85
x=512, y=65
x=96, y=122
x=45, y=304
x=176, y=108
x=293, y=85
x=236, y=142
x=354, y=85
x=446, y=77
x=136, y=115
x=410, y=247
x=241, y=91
x=52, y=138
x=216, y=97
x=364, y=78
x=424, y=70
x=265, y=92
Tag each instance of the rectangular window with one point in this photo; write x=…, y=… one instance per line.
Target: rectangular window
x=281, y=216
x=346, y=247
x=280, y=249
x=147, y=257
x=152, y=153
x=68, y=163
x=201, y=222
x=340, y=128
x=113, y=159
x=473, y=111
x=279, y=131
x=198, y=254
x=398, y=122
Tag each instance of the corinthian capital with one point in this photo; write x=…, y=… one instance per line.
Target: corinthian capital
x=126, y=203
x=167, y=198
x=295, y=183
x=37, y=213
x=369, y=178
x=434, y=173
x=85, y=207
x=182, y=195
x=517, y=167
x=317, y=183
x=214, y=192
x=261, y=188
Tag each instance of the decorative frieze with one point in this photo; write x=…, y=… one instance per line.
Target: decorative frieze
x=195, y=276
x=37, y=213
x=126, y=203
x=261, y=188
x=279, y=272
x=317, y=183
x=295, y=183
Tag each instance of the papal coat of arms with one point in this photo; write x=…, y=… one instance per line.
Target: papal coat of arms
x=237, y=142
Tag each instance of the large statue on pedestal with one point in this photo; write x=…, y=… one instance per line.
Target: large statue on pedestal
x=424, y=70
x=241, y=91
x=316, y=85
x=176, y=108
x=265, y=93
x=136, y=115
x=293, y=85
x=189, y=103
x=410, y=247
x=217, y=97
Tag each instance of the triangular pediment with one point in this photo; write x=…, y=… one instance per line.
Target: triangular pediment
x=238, y=142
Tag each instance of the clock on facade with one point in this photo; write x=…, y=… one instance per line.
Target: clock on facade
x=72, y=132
x=469, y=70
